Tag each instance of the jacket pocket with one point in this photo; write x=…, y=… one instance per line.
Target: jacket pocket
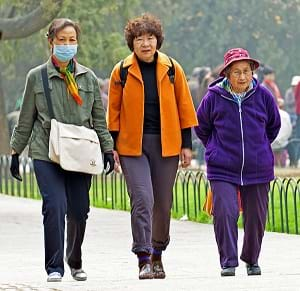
x=86, y=92
x=40, y=99
x=210, y=155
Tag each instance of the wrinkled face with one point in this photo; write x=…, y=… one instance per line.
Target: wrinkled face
x=144, y=47
x=67, y=35
x=240, y=76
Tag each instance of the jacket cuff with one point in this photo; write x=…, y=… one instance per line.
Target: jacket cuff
x=114, y=135
x=186, y=136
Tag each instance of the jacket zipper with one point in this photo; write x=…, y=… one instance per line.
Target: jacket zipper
x=243, y=145
x=242, y=132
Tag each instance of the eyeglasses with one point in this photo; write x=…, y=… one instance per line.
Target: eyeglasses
x=141, y=40
x=237, y=73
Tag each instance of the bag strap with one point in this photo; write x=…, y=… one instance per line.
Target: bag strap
x=47, y=90
x=171, y=71
x=48, y=97
x=123, y=74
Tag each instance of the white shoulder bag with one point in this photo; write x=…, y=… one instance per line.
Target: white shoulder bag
x=75, y=148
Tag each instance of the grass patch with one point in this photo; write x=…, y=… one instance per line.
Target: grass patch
x=188, y=198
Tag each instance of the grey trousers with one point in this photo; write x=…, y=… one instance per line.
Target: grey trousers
x=150, y=179
x=254, y=200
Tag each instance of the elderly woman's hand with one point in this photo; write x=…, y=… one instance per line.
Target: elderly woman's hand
x=185, y=157
x=117, y=162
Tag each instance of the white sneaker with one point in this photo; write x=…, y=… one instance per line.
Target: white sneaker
x=78, y=274
x=54, y=277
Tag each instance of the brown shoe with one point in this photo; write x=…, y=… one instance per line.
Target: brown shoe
x=158, y=270
x=145, y=272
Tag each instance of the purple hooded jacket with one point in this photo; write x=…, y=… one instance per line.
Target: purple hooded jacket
x=237, y=137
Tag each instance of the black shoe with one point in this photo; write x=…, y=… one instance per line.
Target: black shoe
x=145, y=272
x=253, y=269
x=229, y=271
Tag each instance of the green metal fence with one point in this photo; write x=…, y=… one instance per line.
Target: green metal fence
x=189, y=194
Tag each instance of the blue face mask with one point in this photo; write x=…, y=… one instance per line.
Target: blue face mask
x=65, y=53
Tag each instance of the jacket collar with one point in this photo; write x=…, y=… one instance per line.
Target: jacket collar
x=79, y=69
x=163, y=64
x=161, y=58
x=221, y=91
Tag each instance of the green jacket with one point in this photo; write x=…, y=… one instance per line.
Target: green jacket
x=33, y=126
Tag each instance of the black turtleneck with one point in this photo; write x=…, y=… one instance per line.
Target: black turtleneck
x=151, y=104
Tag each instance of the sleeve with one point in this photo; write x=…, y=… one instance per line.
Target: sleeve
x=28, y=113
x=99, y=121
x=186, y=135
x=204, y=128
x=274, y=122
x=114, y=135
x=186, y=110
x=115, y=92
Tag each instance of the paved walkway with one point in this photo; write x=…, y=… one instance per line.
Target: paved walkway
x=191, y=261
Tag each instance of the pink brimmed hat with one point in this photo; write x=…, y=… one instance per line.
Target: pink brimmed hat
x=237, y=54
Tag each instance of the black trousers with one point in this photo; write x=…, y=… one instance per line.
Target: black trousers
x=64, y=194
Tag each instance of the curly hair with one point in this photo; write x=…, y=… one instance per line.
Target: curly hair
x=146, y=23
x=60, y=23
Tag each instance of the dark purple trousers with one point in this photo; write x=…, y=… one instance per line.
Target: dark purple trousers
x=254, y=199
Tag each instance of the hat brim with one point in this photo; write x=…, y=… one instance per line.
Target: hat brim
x=255, y=62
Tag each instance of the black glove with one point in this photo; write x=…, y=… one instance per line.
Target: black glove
x=14, y=167
x=109, y=161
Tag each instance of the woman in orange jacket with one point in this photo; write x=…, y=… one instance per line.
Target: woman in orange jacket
x=150, y=115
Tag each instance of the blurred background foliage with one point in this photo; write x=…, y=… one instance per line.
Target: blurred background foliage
x=197, y=33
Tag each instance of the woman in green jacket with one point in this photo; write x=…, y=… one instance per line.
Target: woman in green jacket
x=76, y=99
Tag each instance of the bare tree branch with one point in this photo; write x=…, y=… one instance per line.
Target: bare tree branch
x=23, y=26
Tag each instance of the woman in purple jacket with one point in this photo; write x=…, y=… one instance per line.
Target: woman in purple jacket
x=238, y=121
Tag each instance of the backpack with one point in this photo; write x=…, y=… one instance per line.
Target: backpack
x=124, y=73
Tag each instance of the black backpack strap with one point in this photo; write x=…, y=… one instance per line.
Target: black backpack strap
x=171, y=72
x=47, y=90
x=123, y=74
